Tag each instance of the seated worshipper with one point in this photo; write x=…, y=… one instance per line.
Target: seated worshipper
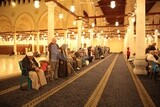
x=35, y=73
x=150, y=56
x=72, y=65
x=152, y=61
x=156, y=54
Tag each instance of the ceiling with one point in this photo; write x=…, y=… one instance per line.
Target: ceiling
x=111, y=15
x=119, y=13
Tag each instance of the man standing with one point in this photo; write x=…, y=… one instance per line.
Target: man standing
x=53, y=49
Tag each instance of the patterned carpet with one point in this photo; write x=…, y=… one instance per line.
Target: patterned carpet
x=120, y=90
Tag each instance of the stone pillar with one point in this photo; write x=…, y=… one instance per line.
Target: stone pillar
x=83, y=41
x=125, y=44
x=139, y=61
x=156, y=38
x=98, y=39
x=104, y=42
x=68, y=41
x=33, y=43
x=91, y=37
x=65, y=37
x=44, y=46
x=51, y=6
x=79, y=22
x=37, y=45
x=131, y=36
x=15, y=44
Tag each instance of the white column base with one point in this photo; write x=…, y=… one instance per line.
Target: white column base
x=140, y=66
x=15, y=53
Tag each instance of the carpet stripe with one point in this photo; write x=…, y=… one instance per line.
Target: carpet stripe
x=59, y=87
x=94, y=99
x=12, y=88
x=146, y=99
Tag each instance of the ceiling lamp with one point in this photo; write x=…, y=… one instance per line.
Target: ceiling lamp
x=112, y=4
x=118, y=31
x=93, y=24
x=156, y=31
x=36, y=4
x=72, y=8
x=74, y=22
x=13, y=4
x=61, y=16
x=116, y=23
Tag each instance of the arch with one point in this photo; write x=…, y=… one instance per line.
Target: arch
x=5, y=23
x=25, y=22
x=43, y=21
x=6, y=28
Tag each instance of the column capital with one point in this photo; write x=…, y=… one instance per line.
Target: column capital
x=50, y=3
x=131, y=19
x=79, y=22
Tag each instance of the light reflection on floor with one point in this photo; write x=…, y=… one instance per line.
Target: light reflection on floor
x=9, y=65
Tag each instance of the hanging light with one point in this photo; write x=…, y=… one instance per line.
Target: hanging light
x=118, y=31
x=112, y=4
x=72, y=8
x=93, y=24
x=101, y=31
x=116, y=23
x=156, y=31
x=13, y=3
x=36, y=4
x=61, y=16
x=74, y=22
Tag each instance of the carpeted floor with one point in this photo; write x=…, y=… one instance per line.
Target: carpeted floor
x=120, y=90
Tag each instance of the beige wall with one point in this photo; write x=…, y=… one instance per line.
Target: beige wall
x=116, y=45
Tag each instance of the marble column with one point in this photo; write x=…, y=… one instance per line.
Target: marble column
x=44, y=46
x=65, y=36
x=125, y=44
x=139, y=62
x=91, y=37
x=131, y=36
x=15, y=44
x=79, y=22
x=37, y=45
x=51, y=7
x=33, y=43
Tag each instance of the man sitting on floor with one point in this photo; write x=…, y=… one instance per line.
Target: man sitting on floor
x=35, y=73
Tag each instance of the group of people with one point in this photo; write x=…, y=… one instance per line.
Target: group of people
x=153, y=58
x=33, y=69
x=62, y=62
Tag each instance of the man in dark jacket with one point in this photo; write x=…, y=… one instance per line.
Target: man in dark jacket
x=35, y=73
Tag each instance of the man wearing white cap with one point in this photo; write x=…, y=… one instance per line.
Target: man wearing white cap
x=35, y=73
